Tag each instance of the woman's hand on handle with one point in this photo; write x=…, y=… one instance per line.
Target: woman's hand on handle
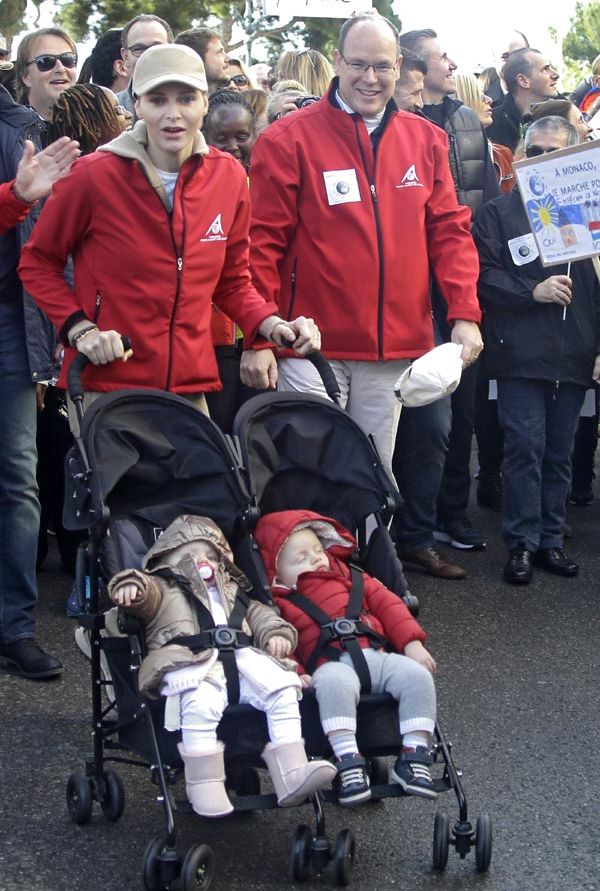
x=102, y=347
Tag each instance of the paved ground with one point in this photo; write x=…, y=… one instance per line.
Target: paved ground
x=518, y=693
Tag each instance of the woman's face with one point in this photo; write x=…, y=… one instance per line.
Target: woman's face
x=239, y=82
x=485, y=114
x=124, y=116
x=173, y=114
x=582, y=126
x=231, y=129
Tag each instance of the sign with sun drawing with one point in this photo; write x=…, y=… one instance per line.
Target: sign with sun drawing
x=561, y=194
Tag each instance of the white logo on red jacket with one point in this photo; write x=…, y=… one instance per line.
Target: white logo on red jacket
x=410, y=178
x=215, y=230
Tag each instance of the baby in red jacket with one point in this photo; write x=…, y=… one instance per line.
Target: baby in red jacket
x=307, y=559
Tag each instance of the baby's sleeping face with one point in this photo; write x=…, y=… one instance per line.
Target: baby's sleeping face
x=302, y=552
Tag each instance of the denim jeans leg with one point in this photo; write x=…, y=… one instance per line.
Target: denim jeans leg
x=19, y=505
x=418, y=465
x=562, y=416
x=522, y=416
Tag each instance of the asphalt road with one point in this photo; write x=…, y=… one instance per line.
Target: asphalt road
x=518, y=697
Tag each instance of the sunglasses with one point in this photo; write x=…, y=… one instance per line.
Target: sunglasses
x=240, y=80
x=47, y=61
x=534, y=151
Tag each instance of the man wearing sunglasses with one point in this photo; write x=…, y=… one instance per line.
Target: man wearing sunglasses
x=542, y=339
x=138, y=35
x=45, y=67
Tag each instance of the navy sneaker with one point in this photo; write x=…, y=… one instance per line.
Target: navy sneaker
x=352, y=782
x=459, y=533
x=411, y=771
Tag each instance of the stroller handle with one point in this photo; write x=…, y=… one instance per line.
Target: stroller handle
x=325, y=370
x=74, y=385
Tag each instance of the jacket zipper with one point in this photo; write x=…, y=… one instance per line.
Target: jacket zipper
x=293, y=290
x=97, y=307
x=377, y=217
x=179, y=263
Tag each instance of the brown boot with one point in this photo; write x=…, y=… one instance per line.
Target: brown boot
x=433, y=563
x=205, y=782
x=294, y=776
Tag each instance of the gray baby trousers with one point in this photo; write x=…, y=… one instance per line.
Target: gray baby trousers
x=337, y=688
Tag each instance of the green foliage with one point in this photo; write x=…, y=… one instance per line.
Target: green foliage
x=12, y=14
x=583, y=40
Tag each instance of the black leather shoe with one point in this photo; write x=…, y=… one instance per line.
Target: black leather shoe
x=556, y=561
x=26, y=659
x=518, y=570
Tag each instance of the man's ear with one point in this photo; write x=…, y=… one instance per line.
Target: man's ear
x=523, y=81
x=118, y=68
x=337, y=58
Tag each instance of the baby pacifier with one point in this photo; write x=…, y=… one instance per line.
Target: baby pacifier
x=205, y=570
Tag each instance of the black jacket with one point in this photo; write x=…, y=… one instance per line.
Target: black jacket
x=506, y=123
x=469, y=152
x=18, y=123
x=524, y=338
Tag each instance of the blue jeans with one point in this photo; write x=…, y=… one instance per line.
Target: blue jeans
x=539, y=425
x=19, y=505
x=418, y=465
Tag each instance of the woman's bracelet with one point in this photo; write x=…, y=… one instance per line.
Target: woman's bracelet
x=81, y=334
x=20, y=197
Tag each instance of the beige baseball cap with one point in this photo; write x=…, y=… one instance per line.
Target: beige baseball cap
x=168, y=63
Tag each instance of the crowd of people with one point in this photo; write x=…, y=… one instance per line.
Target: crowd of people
x=364, y=205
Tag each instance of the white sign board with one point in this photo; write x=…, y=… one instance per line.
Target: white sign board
x=324, y=9
x=561, y=194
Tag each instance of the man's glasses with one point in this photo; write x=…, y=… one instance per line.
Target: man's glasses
x=240, y=80
x=534, y=151
x=137, y=49
x=362, y=67
x=47, y=61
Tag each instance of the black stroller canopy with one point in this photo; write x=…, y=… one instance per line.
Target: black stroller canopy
x=154, y=454
x=303, y=451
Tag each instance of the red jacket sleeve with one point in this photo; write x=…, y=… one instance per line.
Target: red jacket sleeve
x=452, y=252
x=12, y=211
x=399, y=626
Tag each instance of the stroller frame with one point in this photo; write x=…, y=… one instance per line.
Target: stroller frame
x=162, y=863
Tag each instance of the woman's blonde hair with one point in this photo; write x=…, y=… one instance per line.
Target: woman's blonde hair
x=470, y=92
x=308, y=66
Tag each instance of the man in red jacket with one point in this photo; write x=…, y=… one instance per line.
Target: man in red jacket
x=353, y=206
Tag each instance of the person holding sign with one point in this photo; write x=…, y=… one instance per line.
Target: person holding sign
x=542, y=333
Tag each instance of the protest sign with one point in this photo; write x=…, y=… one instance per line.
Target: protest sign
x=561, y=194
x=329, y=9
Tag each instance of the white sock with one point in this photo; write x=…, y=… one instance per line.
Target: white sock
x=415, y=738
x=343, y=742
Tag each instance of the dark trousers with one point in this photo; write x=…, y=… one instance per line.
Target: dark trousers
x=539, y=424
x=223, y=405
x=455, y=487
x=487, y=427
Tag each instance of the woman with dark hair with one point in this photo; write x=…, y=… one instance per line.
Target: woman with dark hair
x=104, y=65
x=87, y=113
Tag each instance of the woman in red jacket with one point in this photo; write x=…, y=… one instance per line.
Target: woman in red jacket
x=306, y=557
x=157, y=225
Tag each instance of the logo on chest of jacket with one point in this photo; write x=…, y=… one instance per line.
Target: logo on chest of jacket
x=410, y=178
x=215, y=230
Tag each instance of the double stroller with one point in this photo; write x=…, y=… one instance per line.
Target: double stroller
x=142, y=458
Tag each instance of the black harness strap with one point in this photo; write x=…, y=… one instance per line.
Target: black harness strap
x=345, y=630
x=224, y=638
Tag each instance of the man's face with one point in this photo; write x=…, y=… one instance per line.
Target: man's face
x=546, y=142
x=439, y=80
x=542, y=80
x=216, y=64
x=409, y=91
x=141, y=37
x=368, y=92
x=46, y=86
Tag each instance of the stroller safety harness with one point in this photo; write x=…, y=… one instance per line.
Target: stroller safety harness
x=344, y=629
x=224, y=638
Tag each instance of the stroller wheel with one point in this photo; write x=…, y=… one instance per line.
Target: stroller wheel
x=79, y=799
x=300, y=862
x=161, y=865
x=343, y=857
x=483, y=843
x=113, y=804
x=441, y=842
x=198, y=870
